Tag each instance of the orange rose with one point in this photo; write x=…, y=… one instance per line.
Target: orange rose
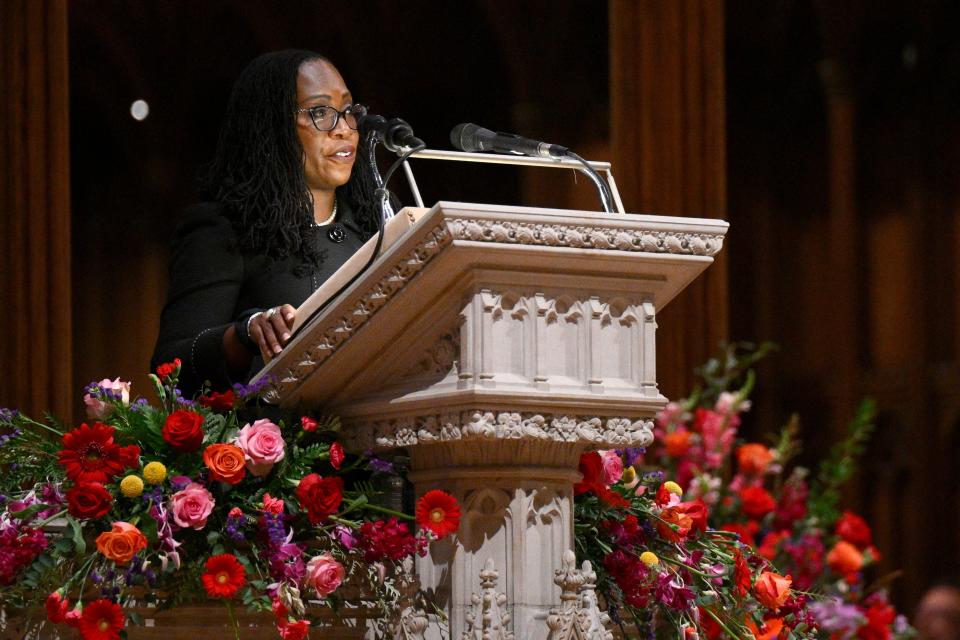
x=677, y=443
x=769, y=631
x=674, y=516
x=845, y=558
x=226, y=462
x=754, y=458
x=121, y=543
x=772, y=589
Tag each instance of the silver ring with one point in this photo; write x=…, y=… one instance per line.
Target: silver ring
x=272, y=311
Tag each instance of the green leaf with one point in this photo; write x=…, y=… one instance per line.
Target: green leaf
x=29, y=512
x=78, y=542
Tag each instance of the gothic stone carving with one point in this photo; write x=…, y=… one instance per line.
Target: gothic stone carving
x=599, y=432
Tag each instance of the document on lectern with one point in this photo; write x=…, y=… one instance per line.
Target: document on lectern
x=394, y=229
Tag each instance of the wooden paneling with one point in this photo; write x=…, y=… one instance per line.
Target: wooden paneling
x=668, y=140
x=35, y=322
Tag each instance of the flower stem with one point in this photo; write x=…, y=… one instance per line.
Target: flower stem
x=233, y=619
x=42, y=426
x=389, y=512
x=51, y=518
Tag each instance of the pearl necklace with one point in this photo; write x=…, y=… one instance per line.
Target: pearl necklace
x=331, y=218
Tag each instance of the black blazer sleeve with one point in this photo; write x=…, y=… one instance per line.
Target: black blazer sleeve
x=206, y=275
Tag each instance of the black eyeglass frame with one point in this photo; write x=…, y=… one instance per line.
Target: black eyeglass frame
x=355, y=110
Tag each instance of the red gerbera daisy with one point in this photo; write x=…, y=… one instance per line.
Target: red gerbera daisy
x=101, y=620
x=439, y=512
x=91, y=455
x=224, y=576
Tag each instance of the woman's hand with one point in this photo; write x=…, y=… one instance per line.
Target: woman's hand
x=271, y=329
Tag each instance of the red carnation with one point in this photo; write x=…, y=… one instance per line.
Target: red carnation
x=224, y=576
x=336, y=455
x=57, y=607
x=91, y=455
x=320, y=497
x=88, y=500
x=880, y=616
x=183, y=430
x=167, y=369
x=218, y=401
x=854, y=530
x=439, y=512
x=757, y=502
x=101, y=620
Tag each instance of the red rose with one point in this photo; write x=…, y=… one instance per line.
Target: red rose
x=88, y=500
x=591, y=466
x=854, y=530
x=308, y=423
x=218, y=401
x=183, y=430
x=320, y=497
x=756, y=502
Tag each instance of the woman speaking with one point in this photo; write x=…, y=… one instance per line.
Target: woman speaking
x=291, y=199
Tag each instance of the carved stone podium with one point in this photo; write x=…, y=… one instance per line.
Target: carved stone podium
x=496, y=344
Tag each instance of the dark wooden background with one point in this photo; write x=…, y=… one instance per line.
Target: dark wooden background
x=827, y=133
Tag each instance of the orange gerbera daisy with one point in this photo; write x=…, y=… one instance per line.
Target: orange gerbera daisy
x=439, y=512
x=224, y=576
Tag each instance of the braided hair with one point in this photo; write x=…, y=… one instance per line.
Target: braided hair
x=257, y=172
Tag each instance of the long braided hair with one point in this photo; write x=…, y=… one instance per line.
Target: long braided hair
x=257, y=171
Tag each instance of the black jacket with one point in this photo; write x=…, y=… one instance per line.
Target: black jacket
x=213, y=284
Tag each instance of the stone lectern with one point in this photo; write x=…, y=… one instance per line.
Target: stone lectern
x=496, y=344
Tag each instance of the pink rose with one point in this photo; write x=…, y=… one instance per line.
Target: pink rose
x=262, y=445
x=99, y=409
x=192, y=506
x=324, y=574
x=612, y=467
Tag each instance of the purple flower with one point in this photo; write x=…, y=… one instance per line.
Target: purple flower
x=179, y=483
x=7, y=416
x=672, y=593
x=344, y=535
x=836, y=617
x=253, y=389
x=631, y=455
x=286, y=563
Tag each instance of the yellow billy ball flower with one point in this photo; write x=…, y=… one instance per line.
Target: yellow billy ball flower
x=673, y=487
x=649, y=558
x=629, y=475
x=131, y=486
x=155, y=472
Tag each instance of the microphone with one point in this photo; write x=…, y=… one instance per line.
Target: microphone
x=396, y=134
x=473, y=138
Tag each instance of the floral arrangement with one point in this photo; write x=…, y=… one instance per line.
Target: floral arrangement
x=735, y=543
x=191, y=500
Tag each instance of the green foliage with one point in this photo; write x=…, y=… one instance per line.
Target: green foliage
x=839, y=467
x=731, y=370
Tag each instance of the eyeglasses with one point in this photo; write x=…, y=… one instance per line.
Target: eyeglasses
x=325, y=118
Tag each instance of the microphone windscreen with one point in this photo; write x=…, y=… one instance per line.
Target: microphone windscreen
x=470, y=137
x=371, y=122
